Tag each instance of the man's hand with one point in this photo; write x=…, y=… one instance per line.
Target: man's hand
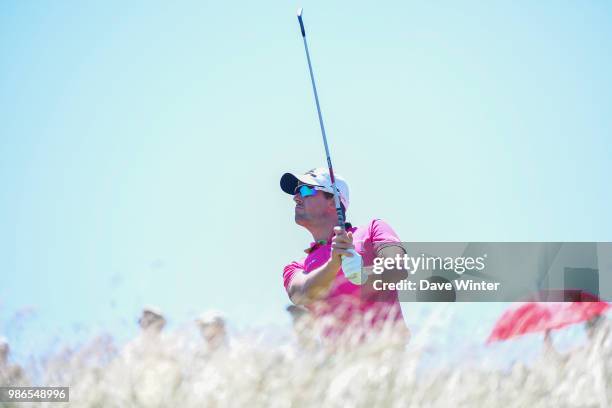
x=307, y=288
x=341, y=243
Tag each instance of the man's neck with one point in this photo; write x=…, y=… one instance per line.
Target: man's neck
x=322, y=231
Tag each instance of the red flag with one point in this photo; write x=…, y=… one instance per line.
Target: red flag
x=533, y=317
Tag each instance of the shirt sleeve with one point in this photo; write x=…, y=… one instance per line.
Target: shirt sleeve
x=289, y=271
x=381, y=233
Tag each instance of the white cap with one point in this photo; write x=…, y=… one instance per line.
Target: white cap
x=211, y=317
x=153, y=310
x=3, y=341
x=316, y=177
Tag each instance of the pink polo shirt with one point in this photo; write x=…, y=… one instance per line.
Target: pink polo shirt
x=344, y=301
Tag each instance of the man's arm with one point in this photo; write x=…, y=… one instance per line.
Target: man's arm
x=389, y=275
x=306, y=288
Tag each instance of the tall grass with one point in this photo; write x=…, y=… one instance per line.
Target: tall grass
x=375, y=372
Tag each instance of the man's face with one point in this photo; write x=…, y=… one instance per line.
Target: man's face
x=213, y=333
x=309, y=210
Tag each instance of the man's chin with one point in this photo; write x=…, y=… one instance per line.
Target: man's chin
x=299, y=220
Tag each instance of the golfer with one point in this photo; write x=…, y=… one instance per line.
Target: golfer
x=317, y=281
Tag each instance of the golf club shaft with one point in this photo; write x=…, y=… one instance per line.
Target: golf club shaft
x=314, y=89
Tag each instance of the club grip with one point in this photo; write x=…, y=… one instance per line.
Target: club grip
x=341, y=219
x=301, y=25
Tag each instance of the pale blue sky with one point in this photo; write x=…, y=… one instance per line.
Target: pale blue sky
x=141, y=143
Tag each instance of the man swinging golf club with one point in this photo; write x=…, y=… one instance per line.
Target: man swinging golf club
x=329, y=280
x=318, y=280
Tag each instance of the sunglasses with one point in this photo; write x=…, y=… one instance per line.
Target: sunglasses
x=306, y=191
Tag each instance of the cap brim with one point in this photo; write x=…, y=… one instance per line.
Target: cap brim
x=289, y=182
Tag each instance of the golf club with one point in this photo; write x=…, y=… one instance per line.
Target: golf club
x=351, y=265
x=341, y=220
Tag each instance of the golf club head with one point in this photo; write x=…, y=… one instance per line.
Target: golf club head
x=299, y=16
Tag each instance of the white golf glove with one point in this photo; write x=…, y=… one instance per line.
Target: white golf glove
x=352, y=268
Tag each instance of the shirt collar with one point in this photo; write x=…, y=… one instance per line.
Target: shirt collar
x=317, y=244
x=322, y=242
